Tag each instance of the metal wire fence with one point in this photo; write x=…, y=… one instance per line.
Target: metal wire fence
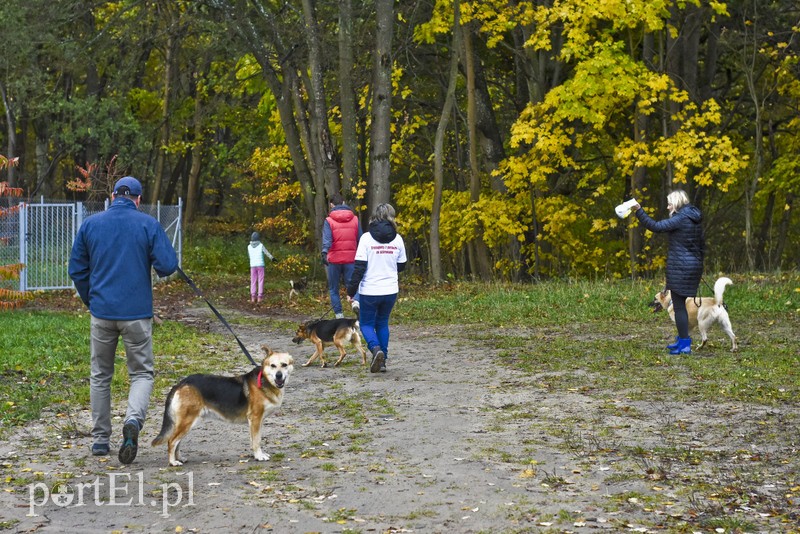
x=40, y=235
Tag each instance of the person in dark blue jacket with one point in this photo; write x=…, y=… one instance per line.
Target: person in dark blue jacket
x=684, y=259
x=110, y=265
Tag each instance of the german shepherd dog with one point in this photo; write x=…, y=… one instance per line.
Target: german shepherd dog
x=236, y=399
x=703, y=311
x=326, y=332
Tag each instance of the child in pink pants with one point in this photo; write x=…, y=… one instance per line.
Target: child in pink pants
x=257, y=251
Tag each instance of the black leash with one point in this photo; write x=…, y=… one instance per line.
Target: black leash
x=324, y=314
x=219, y=316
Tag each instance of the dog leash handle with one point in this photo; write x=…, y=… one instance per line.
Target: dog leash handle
x=219, y=315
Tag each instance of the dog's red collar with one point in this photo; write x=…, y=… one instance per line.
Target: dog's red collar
x=260, y=372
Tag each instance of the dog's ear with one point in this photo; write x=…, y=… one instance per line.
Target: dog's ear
x=268, y=351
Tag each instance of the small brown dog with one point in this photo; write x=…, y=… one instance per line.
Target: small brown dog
x=325, y=332
x=703, y=311
x=237, y=399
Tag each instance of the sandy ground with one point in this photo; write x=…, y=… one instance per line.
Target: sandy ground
x=446, y=441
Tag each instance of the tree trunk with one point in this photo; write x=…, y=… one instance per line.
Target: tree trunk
x=639, y=179
x=318, y=104
x=380, y=138
x=11, y=131
x=163, y=138
x=193, y=183
x=481, y=251
x=491, y=143
x=783, y=232
x=710, y=60
x=438, y=157
x=179, y=170
x=283, y=91
x=762, y=251
x=690, y=50
x=534, y=236
x=758, y=162
x=43, y=164
x=305, y=124
x=347, y=98
x=93, y=87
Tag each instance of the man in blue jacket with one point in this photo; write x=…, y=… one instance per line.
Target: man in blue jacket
x=110, y=264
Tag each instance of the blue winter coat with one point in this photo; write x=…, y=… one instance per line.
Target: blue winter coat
x=111, y=260
x=686, y=248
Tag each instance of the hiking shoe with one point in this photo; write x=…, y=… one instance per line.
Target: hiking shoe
x=130, y=442
x=378, y=360
x=100, y=449
x=383, y=367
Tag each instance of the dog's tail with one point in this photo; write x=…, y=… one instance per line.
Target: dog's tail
x=719, y=288
x=167, y=424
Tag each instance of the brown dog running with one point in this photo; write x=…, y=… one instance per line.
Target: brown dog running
x=325, y=332
x=237, y=399
x=703, y=311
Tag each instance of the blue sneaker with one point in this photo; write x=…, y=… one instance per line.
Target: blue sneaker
x=130, y=442
x=100, y=449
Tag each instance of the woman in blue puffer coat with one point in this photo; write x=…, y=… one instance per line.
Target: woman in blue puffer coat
x=684, y=259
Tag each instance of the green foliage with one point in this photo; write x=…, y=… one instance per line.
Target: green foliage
x=459, y=218
x=215, y=253
x=278, y=194
x=212, y=247
x=569, y=83
x=591, y=112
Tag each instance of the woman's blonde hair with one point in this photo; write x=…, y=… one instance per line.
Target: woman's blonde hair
x=383, y=212
x=678, y=199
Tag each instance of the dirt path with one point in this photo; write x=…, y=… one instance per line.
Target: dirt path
x=446, y=441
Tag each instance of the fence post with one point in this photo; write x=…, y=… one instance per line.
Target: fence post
x=23, y=246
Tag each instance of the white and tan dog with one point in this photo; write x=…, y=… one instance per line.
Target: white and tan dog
x=703, y=311
x=237, y=399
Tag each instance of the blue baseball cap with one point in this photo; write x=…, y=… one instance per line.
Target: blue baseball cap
x=128, y=186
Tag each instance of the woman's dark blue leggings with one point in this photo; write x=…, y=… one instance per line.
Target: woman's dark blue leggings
x=374, y=319
x=681, y=315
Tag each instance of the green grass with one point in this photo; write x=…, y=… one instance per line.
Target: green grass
x=46, y=360
x=584, y=336
x=592, y=336
x=45, y=363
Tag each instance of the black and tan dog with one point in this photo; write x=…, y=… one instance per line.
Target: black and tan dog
x=236, y=399
x=325, y=332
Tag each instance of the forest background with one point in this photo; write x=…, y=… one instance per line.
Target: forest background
x=504, y=131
